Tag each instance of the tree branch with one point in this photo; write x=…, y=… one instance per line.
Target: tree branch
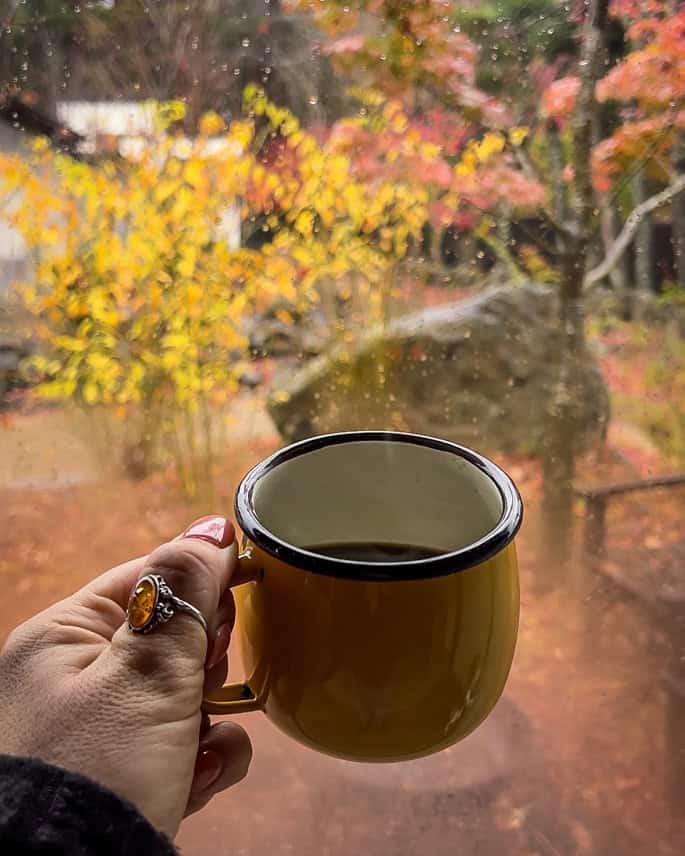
x=630, y=227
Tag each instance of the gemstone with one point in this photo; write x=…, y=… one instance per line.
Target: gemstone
x=141, y=606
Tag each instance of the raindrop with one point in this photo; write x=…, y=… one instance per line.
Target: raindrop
x=550, y=31
x=245, y=43
x=456, y=29
x=267, y=69
x=313, y=100
x=382, y=57
x=236, y=72
x=224, y=67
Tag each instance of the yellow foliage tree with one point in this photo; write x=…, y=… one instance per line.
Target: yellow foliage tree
x=139, y=299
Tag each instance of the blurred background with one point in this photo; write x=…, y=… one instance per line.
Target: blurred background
x=226, y=225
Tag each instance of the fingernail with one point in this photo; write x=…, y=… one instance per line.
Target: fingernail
x=219, y=645
x=207, y=770
x=215, y=530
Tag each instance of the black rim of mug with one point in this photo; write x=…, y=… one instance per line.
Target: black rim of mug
x=441, y=565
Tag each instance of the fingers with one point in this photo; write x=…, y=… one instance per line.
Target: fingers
x=216, y=676
x=220, y=629
x=198, y=568
x=223, y=759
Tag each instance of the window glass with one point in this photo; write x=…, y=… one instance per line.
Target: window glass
x=229, y=225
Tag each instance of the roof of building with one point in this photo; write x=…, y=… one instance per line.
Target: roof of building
x=20, y=113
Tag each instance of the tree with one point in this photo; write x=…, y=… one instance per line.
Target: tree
x=650, y=85
x=203, y=53
x=139, y=300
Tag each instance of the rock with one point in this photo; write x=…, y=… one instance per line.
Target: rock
x=12, y=353
x=270, y=335
x=483, y=372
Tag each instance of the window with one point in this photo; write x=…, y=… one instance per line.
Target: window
x=225, y=226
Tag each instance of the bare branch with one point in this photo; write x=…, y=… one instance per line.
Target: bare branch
x=630, y=227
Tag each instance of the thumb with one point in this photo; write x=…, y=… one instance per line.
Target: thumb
x=197, y=568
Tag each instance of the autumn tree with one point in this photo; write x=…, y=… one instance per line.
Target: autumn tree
x=139, y=297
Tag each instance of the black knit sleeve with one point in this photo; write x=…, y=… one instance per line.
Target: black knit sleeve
x=51, y=812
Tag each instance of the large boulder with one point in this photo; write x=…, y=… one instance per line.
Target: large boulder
x=484, y=371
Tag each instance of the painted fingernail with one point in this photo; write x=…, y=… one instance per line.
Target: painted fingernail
x=207, y=770
x=219, y=645
x=212, y=529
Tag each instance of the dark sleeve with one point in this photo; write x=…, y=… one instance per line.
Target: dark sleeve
x=49, y=811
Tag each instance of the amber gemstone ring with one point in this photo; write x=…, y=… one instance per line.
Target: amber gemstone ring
x=152, y=602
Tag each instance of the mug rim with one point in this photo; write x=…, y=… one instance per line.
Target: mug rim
x=444, y=564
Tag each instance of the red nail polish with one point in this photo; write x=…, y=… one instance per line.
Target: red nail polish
x=215, y=530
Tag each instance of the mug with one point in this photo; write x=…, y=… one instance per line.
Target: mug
x=378, y=653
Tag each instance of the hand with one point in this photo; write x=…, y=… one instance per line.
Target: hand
x=81, y=691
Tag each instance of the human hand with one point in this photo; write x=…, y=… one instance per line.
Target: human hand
x=81, y=691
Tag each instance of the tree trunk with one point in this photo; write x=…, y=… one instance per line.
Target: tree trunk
x=559, y=466
x=644, y=249
x=678, y=214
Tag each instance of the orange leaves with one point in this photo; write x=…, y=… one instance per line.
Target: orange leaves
x=559, y=99
x=650, y=82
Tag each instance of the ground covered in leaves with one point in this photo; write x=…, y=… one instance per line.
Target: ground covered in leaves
x=577, y=757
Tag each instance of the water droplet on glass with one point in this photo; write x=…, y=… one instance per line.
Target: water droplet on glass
x=236, y=72
x=313, y=100
x=245, y=43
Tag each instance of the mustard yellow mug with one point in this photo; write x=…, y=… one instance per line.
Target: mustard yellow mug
x=382, y=619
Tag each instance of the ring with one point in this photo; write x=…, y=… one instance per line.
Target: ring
x=152, y=602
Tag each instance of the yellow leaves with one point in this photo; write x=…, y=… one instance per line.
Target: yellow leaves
x=479, y=152
x=40, y=145
x=467, y=165
x=491, y=144
x=139, y=290
x=187, y=262
x=195, y=173
x=211, y=124
x=70, y=344
x=518, y=135
x=304, y=224
x=165, y=113
x=193, y=294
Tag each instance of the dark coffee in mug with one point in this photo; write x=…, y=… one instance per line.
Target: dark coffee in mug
x=374, y=551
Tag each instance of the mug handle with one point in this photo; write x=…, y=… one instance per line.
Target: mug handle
x=236, y=697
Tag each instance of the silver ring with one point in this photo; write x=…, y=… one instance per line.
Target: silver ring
x=152, y=602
